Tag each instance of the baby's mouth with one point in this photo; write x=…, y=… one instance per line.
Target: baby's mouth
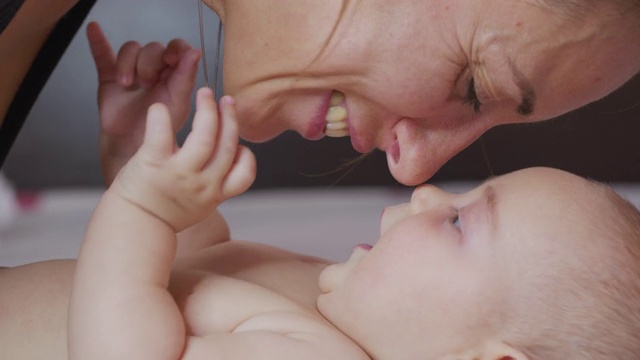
x=336, y=118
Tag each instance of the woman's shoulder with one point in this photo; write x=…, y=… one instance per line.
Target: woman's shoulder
x=8, y=10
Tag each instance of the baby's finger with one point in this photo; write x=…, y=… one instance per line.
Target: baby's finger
x=242, y=174
x=159, y=138
x=201, y=141
x=102, y=53
x=149, y=63
x=228, y=138
x=126, y=62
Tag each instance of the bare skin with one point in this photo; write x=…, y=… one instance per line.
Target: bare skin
x=421, y=79
x=45, y=288
x=239, y=267
x=277, y=287
x=133, y=298
x=284, y=278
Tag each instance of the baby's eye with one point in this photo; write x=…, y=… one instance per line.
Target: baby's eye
x=455, y=220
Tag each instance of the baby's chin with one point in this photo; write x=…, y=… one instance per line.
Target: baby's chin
x=334, y=275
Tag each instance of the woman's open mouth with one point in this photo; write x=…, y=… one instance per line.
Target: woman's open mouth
x=336, y=117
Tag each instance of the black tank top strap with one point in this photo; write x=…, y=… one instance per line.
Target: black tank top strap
x=37, y=76
x=8, y=9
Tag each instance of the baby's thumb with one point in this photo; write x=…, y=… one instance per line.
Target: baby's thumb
x=242, y=173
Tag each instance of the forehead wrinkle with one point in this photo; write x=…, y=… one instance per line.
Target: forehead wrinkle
x=332, y=32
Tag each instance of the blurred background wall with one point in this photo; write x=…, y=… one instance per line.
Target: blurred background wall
x=57, y=147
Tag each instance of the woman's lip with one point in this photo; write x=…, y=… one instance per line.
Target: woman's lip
x=315, y=129
x=372, y=137
x=357, y=141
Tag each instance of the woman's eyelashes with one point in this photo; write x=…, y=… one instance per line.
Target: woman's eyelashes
x=471, y=96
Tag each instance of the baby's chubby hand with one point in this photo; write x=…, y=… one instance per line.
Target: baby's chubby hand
x=181, y=186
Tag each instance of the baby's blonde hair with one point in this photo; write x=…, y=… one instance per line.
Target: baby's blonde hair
x=590, y=311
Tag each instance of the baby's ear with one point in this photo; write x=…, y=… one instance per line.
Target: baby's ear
x=491, y=350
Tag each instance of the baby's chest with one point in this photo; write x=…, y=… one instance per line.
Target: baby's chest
x=222, y=299
x=244, y=318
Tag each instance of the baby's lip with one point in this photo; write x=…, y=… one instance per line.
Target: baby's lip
x=365, y=247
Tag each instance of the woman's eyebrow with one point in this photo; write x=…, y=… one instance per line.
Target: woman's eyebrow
x=528, y=93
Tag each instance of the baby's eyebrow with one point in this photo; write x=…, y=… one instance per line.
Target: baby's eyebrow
x=490, y=197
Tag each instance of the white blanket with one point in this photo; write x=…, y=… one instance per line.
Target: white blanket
x=321, y=222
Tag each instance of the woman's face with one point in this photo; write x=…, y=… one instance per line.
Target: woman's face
x=421, y=79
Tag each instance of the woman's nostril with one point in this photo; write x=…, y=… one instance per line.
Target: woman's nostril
x=394, y=151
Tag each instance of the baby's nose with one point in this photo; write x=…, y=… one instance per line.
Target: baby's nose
x=427, y=197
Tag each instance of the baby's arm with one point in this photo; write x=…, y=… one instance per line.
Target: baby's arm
x=211, y=231
x=129, y=83
x=120, y=307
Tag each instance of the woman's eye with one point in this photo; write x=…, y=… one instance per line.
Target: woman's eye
x=472, y=97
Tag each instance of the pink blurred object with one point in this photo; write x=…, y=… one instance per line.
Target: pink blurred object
x=28, y=200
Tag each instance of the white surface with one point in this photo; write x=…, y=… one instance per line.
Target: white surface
x=325, y=223
x=321, y=222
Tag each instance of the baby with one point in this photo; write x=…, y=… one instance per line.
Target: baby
x=537, y=264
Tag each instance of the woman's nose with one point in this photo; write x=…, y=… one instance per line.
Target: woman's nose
x=426, y=197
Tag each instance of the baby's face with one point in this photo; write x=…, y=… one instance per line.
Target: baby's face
x=447, y=267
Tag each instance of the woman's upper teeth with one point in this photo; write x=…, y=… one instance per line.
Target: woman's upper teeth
x=336, y=117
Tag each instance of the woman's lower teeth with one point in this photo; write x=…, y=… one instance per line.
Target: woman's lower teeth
x=336, y=117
